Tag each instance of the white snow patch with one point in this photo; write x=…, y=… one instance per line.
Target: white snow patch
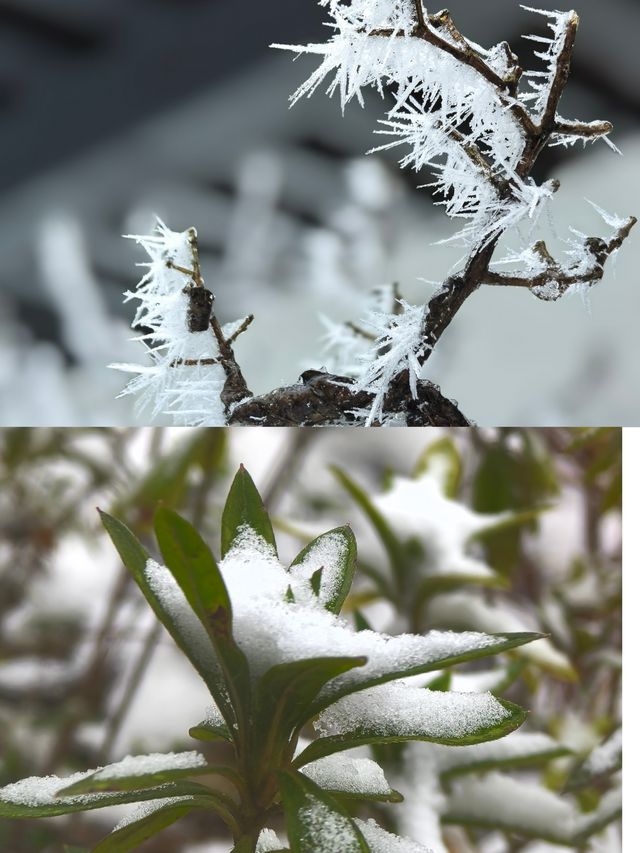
x=397, y=709
x=353, y=775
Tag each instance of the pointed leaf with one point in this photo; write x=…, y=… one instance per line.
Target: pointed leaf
x=191, y=563
x=131, y=835
x=135, y=773
x=378, y=725
x=210, y=730
x=315, y=820
x=361, y=680
x=181, y=628
x=244, y=507
x=37, y=797
x=334, y=553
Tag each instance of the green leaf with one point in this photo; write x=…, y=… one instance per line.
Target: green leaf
x=135, y=558
x=361, y=622
x=441, y=683
x=286, y=692
x=47, y=804
x=363, y=736
x=133, y=834
x=390, y=541
x=503, y=643
x=244, y=507
x=443, y=459
x=191, y=562
x=315, y=819
x=101, y=781
x=334, y=552
x=211, y=731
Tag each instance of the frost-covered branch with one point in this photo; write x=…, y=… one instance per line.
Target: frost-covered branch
x=194, y=375
x=549, y=280
x=478, y=122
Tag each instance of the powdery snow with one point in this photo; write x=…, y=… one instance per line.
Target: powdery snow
x=327, y=554
x=381, y=841
x=156, y=762
x=397, y=709
x=329, y=830
x=268, y=841
x=271, y=630
x=42, y=790
x=458, y=608
x=353, y=775
x=173, y=601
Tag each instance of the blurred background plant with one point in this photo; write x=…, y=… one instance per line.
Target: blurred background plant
x=293, y=222
x=493, y=530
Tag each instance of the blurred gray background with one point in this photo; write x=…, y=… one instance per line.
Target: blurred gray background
x=111, y=111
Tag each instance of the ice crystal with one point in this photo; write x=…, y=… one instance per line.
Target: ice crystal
x=184, y=379
x=399, y=343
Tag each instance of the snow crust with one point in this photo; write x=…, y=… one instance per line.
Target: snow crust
x=353, y=775
x=398, y=709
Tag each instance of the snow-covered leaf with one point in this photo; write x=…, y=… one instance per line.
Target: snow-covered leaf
x=316, y=822
x=169, y=604
x=37, y=796
x=148, y=820
x=334, y=553
x=141, y=771
x=244, y=508
x=192, y=565
x=393, y=713
x=354, y=778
